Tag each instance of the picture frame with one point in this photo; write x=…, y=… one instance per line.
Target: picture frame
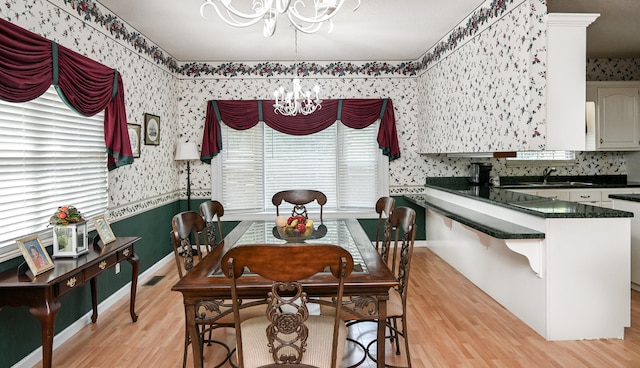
x=35, y=254
x=134, y=138
x=151, y=130
x=104, y=230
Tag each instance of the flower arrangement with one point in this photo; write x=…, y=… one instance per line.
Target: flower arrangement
x=66, y=215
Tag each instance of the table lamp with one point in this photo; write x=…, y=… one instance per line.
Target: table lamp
x=187, y=151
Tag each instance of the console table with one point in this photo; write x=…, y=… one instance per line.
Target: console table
x=42, y=293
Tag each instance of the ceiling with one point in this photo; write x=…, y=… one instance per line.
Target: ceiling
x=616, y=32
x=380, y=30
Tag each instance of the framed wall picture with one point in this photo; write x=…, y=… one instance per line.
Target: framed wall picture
x=151, y=130
x=35, y=254
x=134, y=137
x=103, y=229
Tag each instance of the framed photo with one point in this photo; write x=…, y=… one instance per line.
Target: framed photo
x=134, y=137
x=35, y=254
x=151, y=129
x=103, y=228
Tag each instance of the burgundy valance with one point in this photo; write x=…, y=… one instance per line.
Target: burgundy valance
x=354, y=113
x=30, y=63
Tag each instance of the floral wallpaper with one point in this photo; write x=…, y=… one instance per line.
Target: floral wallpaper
x=613, y=69
x=501, y=46
x=484, y=106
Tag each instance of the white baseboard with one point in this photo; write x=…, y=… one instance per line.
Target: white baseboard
x=36, y=356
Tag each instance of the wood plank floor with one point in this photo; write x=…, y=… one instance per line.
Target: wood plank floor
x=451, y=324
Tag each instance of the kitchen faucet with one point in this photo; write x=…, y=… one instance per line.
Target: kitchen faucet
x=546, y=173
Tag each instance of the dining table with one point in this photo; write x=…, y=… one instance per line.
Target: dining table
x=207, y=292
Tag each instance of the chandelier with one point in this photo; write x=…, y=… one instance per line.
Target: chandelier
x=296, y=101
x=305, y=18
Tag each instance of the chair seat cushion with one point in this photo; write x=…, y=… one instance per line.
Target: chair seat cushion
x=394, y=304
x=318, y=352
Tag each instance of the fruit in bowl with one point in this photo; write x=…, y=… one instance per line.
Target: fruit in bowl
x=294, y=228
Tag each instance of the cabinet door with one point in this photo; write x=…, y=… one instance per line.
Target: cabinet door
x=561, y=194
x=617, y=126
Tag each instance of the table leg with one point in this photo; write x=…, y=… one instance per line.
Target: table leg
x=46, y=314
x=194, y=336
x=135, y=266
x=94, y=299
x=382, y=328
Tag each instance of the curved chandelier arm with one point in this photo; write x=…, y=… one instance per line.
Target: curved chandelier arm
x=231, y=13
x=323, y=12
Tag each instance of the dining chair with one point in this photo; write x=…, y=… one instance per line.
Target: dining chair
x=299, y=198
x=189, y=231
x=212, y=212
x=287, y=335
x=400, y=241
x=384, y=207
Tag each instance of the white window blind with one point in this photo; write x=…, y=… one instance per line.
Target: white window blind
x=346, y=164
x=50, y=156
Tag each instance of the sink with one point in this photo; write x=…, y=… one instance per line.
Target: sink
x=550, y=184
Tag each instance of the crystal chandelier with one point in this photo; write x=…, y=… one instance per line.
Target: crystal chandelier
x=305, y=18
x=296, y=101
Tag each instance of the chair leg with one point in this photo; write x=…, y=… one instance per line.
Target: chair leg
x=186, y=346
x=406, y=340
x=395, y=333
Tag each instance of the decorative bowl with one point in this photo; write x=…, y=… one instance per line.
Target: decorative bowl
x=292, y=236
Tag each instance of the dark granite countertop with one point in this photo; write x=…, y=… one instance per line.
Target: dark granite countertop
x=531, y=204
x=626, y=197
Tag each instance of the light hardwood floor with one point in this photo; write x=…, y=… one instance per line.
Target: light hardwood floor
x=452, y=324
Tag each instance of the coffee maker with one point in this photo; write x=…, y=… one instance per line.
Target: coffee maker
x=480, y=174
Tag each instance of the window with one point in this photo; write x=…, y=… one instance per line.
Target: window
x=49, y=156
x=542, y=158
x=346, y=164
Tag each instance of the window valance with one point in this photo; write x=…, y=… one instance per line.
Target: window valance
x=354, y=113
x=30, y=63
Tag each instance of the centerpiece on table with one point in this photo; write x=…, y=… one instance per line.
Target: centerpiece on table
x=294, y=229
x=69, y=232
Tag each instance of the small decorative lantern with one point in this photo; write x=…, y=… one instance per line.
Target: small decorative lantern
x=69, y=233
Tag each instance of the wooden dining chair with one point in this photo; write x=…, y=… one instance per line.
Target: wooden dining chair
x=299, y=198
x=400, y=241
x=384, y=207
x=212, y=212
x=189, y=231
x=287, y=335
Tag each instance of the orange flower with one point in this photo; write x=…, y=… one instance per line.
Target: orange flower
x=64, y=208
x=61, y=215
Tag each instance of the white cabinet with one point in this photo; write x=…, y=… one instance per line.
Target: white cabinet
x=593, y=197
x=561, y=194
x=585, y=196
x=617, y=119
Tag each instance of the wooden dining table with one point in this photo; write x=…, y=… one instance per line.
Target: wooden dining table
x=206, y=291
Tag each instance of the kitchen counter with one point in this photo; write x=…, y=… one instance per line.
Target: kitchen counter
x=530, y=204
x=561, y=267
x=626, y=197
x=631, y=203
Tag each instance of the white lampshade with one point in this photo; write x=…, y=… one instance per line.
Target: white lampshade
x=187, y=151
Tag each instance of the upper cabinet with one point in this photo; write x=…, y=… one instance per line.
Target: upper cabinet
x=566, y=76
x=615, y=115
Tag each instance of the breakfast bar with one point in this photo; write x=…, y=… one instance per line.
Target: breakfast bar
x=547, y=261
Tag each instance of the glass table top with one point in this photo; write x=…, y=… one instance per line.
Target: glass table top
x=329, y=232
